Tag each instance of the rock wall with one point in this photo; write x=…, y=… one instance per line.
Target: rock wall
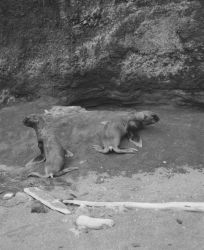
x=94, y=52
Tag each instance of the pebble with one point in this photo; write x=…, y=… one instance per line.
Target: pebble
x=136, y=245
x=179, y=221
x=8, y=196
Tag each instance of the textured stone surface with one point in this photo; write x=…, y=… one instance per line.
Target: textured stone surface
x=103, y=51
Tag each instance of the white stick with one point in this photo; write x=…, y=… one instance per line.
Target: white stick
x=187, y=206
x=47, y=199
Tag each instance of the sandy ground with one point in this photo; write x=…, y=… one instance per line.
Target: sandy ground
x=169, y=167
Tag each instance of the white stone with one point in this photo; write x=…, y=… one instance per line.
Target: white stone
x=8, y=196
x=84, y=221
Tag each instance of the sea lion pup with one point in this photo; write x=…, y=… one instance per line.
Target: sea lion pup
x=115, y=131
x=51, y=150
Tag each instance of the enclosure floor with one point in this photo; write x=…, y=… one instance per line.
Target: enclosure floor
x=169, y=167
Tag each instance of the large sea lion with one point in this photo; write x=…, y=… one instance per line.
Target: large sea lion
x=51, y=151
x=114, y=131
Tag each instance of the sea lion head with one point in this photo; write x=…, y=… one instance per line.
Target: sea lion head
x=33, y=120
x=146, y=117
x=149, y=117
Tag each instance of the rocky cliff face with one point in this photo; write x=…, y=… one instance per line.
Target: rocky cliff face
x=93, y=52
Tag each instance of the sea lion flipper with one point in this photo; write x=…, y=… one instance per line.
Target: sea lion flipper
x=100, y=149
x=37, y=160
x=137, y=143
x=125, y=150
x=68, y=153
x=35, y=174
x=65, y=171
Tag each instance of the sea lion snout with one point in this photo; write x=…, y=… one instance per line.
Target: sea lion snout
x=26, y=121
x=31, y=120
x=155, y=117
x=150, y=118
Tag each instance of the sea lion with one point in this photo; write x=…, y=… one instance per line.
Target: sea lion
x=51, y=151
x=114, y=131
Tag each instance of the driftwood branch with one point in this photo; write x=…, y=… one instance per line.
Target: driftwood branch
x=186, y=206
x=47, y=199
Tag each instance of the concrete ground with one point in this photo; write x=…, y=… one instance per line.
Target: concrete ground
x=169, y=167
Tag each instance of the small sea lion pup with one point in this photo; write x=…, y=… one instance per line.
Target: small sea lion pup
x=114, y=131
x=51, y=151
